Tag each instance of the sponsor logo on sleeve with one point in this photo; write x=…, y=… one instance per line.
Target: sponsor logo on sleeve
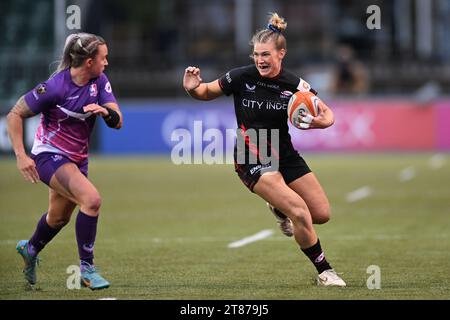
x=41, y=89
x=108, y=87
x=228, y=77
x=303, y=86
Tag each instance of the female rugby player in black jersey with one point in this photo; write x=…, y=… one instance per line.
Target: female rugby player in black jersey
x=261, y=93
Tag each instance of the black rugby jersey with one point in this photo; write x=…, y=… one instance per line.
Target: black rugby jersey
x=261, y=103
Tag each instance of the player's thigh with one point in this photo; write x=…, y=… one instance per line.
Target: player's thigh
x=309, y=188
x=69, y=182
x=272, y=188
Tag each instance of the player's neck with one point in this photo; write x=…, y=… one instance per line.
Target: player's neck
x=79, y=76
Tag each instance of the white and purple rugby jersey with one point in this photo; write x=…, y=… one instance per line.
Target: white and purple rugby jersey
x=65, y=128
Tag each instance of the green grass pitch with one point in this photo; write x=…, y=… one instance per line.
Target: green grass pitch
x=164, y=230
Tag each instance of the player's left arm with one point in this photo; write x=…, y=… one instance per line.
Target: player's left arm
x=110, y=112
x=324, y=119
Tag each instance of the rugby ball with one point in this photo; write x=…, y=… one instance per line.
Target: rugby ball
x=300, y=104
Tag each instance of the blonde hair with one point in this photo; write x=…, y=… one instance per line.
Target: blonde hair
x=78, y=48
x=273, y=32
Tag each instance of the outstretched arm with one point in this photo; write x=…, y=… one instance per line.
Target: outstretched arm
x=15, y=119
x=192, y=83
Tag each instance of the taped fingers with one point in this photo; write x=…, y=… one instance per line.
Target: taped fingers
x=307, y=118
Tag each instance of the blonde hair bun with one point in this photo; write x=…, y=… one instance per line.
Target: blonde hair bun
x=277, y=21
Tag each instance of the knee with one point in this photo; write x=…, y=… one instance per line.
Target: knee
x=92, y=202
x=299, y=215
x=322, y=214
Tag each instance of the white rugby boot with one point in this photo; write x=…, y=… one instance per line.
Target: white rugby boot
x=329, y=278
x=285, y=223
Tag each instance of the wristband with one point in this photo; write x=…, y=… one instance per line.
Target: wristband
x=112, y=119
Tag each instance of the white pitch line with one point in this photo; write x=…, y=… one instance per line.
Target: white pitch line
x=437, y=161
x=359, y=194
x=407, y=174
x=107, y=298
x=256, y=237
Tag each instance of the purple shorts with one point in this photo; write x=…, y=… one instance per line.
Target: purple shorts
x=48, y=162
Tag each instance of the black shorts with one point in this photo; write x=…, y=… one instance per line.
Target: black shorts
x=291, y=169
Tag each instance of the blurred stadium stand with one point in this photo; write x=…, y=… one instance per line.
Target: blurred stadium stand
x=151, y=42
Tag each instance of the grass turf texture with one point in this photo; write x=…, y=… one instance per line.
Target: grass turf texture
x=164, y=230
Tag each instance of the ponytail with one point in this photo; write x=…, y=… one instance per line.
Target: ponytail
x=79, y=47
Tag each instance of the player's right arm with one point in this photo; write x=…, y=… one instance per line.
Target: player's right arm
x=15, y=119
x=192, y=83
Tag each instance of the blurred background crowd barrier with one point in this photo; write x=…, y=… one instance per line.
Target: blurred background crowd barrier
x=389, y=86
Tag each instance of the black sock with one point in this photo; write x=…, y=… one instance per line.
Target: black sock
x=317, y=257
